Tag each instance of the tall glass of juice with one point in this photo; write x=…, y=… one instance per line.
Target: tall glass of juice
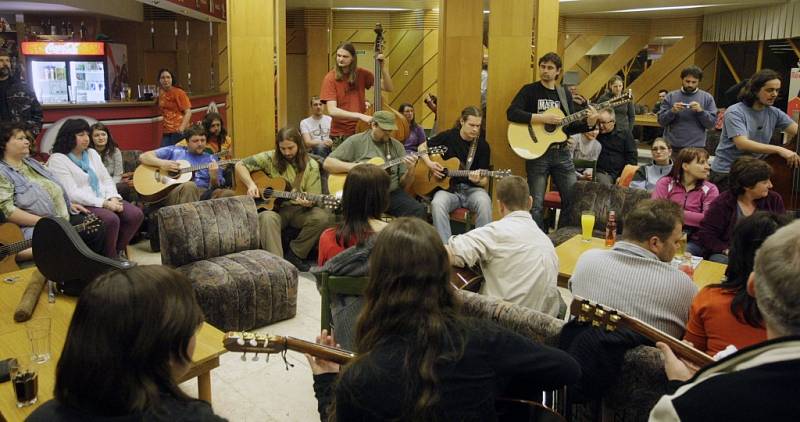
x=587, y=225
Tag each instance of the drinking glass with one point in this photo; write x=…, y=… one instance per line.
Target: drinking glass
x=38, y=331
x=25, y=381
x=587, y=225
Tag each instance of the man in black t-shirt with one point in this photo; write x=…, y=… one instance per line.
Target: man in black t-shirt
x=467, y=192
x=527, y=107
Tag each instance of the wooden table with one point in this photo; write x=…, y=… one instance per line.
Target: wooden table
x=14, y=342
x=705, y=273
x=646, y=120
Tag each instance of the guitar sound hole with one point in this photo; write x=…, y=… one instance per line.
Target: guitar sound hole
x=549, y=128
x=268, y=192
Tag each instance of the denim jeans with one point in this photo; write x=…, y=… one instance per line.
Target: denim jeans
x=474, y=198
x=556, y=163
x=171, y=138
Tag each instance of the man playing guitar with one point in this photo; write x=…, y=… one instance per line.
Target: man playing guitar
x=465, y=143
x=527, y=107
x=289, y=161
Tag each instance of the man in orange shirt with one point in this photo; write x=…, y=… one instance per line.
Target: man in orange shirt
x=176, y=109
x=343, y=91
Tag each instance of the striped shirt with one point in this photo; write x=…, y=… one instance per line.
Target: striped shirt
x=633, y=280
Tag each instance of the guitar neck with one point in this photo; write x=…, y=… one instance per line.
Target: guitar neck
x=264, y=343
x=681, y=349
x=466, y=173
x=17, y=247
x=206, y=165
x=396, y=161
x=574, y=117
x=332, y=354
x=313, y=197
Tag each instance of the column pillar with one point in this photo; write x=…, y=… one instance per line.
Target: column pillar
x=251, y=40
x=546, y=39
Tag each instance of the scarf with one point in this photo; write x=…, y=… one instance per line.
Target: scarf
x=84, y=165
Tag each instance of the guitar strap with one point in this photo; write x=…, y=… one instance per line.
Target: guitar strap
x=473, y=146
x=562, y=96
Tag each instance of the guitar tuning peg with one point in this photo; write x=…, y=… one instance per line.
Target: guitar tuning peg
x=253, y=342
x=240, y=341
x=244, y=357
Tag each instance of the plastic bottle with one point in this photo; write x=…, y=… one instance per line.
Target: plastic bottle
x=611, y=229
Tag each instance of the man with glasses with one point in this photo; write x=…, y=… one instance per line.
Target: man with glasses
x=686, y=113
x=619, y=148
x=527, y=107
x=316, y=129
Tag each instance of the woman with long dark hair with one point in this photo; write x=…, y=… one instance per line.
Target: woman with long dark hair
x=217, y=138
x=84, y=176
x=175, y=107
x=416, y=135
x=132, y=335
x=726, y=313
x=101, y=140
x=418, y=357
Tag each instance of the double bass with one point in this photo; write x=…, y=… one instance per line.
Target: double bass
x=378, y=101
x=786, y=179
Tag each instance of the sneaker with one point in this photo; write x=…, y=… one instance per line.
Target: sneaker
x=295, y=260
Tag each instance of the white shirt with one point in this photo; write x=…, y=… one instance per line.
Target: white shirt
x=319, y=129
x=76, y=181
x=518, y=261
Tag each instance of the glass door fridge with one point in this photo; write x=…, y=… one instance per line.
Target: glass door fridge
x=49, y=81
x=88, y=81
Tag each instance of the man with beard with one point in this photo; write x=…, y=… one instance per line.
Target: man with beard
x=17, y=101
x=290, y=162
x=686, y=113
x=750, y=124
x=377, y=142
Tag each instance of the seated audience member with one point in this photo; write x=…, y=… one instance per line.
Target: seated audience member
x=205, y=183
x=586, y=148
x=377, y=142
x=688, y=187
x=28, y=191
x=217, y=138
x=81, y=172
x=750, y=190
x=463, y=141
x=101, y=140
x=316, y=129
x=618, y=148
x=121, y=362
x=418, y=357
x=344, y=249
x=290, y=162
x=518, y=261
x=648, y=175
x=416, y=135
x=636, y=275
x=726, y=313
x=755, y=383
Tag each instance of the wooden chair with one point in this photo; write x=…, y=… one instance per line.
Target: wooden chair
x=552, y=199
x=466, y=217
x=330, y=285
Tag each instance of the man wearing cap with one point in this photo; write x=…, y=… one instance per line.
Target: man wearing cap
x=377, y=142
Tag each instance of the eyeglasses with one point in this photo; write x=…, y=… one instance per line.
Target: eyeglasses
x=659, y=149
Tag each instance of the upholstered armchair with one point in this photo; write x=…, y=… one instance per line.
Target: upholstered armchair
x=640, y=384
x=215, y=243
x=601, y=199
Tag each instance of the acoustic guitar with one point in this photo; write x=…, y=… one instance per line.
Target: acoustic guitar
x=153, y=184
x=276, y=189
x=12, y=241
x=425, y=182
x=531, y=140
x=378, y=100
x=235, y=341
x=469, y=279
x=610, y=319
x=336, y=180
x=62, y=256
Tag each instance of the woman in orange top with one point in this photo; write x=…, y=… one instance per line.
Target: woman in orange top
x=726, y=313
x=175, y=107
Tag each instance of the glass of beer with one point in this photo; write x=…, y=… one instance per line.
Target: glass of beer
x=587, y=225
x=25, y=380
x=682, y=245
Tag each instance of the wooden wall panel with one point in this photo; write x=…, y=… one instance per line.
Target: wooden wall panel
x=578, y=48
x=546, y=30
x=281, y=77
x=611, y=65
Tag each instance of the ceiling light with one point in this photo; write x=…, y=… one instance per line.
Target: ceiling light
x=656, y=9
x=373, y=9
x=672, y=37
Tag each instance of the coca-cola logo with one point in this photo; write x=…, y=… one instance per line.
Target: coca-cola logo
x=66, y=48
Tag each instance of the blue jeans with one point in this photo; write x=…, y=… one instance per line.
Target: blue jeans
x=473, y=198
x=171, y=138
x=556, y=163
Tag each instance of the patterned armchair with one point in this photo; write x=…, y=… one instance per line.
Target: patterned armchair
x=601, y=199
x=641, y=382
x=215, y=244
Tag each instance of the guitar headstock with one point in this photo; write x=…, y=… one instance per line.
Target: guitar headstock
x=330, y=201
x=434, y=150
x=246, y=342
x=598, y=315
x=622, y=99
x=90, y=224
x=378, y=38
x=499, y=174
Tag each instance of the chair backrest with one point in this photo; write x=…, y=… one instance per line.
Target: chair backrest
x=601, y=199
x=130, y=159
x=330, y=285
x=207, y=229
x=586, y=164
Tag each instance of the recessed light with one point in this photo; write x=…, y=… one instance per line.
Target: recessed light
x=656, y=9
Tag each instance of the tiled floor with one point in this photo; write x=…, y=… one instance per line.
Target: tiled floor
x=249, y=391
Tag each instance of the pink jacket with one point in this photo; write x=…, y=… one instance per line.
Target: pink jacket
x=694, y=203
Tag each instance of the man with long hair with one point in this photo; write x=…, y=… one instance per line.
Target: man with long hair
x=290, y=162
x=750, y=124
x=343, y=90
